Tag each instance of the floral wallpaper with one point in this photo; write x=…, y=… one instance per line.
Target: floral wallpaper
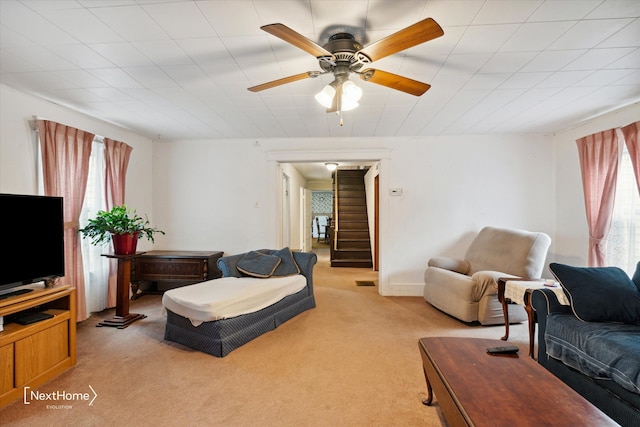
x=322, y=203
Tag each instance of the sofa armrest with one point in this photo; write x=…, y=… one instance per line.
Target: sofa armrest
x=228, y=264
x=458, y=265
x=306, y=261
x=545, y=302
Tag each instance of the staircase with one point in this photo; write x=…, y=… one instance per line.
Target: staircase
x=349, y=238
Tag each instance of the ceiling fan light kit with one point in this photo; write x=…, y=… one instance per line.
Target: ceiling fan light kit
x=325, y=96
x=351, y=94
x=343, y=55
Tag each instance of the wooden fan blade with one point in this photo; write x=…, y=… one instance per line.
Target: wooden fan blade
x=415, y=34
x=279, y=82
x=394, y=81
x=298, y=40
x=337, y=100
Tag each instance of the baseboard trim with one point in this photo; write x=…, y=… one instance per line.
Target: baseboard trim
x=405, y=290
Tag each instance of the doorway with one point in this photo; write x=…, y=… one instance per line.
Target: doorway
x=321, y=211
x=277, y=160
x=315, y=221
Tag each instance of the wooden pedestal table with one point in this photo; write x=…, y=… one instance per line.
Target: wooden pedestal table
x=475, y=388
x=123, y=318
x=519, y=291
x=504, y=300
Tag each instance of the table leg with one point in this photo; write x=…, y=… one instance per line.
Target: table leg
x=423, y=354
x=429, y=399
x=505, y=311
x=122, y=318
x=531, y=321
x=122, y=293
x=505, y=308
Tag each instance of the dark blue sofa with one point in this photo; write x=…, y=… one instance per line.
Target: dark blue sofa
x=596, y=359
x=220, y=337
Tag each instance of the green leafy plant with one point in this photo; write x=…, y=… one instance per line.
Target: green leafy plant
x=119, y=220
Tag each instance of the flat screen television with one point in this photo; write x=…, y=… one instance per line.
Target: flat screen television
x=32, y=237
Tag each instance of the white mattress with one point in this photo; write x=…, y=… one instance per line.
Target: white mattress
x=229, y=296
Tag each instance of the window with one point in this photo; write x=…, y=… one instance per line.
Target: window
x=96, y=267
x=623, y=241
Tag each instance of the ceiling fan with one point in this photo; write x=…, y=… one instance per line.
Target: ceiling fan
x=343, y=55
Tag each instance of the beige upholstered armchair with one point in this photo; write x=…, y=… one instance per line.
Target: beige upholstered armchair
x=467, y=288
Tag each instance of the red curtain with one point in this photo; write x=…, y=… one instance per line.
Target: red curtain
x=116, y=156
x=65, y=164
x=630, y=133
x=599, y=158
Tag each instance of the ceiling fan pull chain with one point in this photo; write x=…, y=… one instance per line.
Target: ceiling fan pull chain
x=341, y=121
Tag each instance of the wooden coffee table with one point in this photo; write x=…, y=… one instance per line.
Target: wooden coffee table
x=475, y=388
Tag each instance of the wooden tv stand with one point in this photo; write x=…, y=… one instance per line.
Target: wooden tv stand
x=33, y=354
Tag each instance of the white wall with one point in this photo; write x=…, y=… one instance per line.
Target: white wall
x=452, y=187
x=221, y=195
x=18, y=148
x=572, y=234
x=319, y=185
x=210, y=195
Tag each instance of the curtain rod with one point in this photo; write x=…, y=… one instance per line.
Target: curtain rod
x=34, y=127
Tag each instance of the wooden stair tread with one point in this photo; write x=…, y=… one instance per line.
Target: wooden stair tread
x=352, y=250
x=351, y=263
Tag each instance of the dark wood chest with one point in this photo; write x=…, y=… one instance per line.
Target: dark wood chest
x=157, y=271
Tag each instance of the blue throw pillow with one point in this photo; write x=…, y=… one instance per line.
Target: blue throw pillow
x=599, y=294
x=288, y=266
x=255, y=264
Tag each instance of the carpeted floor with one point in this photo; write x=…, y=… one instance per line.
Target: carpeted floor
x=351, y=361
x=319, y=244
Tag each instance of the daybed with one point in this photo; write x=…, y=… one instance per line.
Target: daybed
x=593, y=344
x=220, y=315
x=468, y=289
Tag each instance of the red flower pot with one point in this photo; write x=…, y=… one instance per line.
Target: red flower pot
x=125, y=244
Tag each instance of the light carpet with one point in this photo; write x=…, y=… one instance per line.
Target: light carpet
x=351, y=361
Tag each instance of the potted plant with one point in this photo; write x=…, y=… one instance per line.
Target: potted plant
x=121, y=225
